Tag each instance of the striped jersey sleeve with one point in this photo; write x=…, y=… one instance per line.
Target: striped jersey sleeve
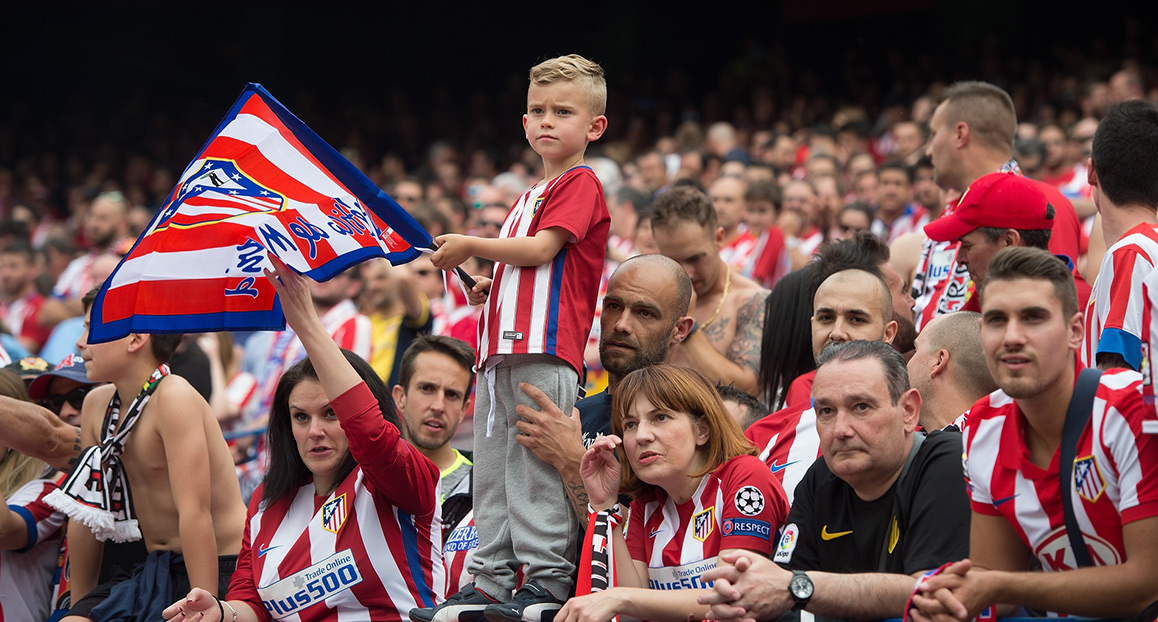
x=1118, y=313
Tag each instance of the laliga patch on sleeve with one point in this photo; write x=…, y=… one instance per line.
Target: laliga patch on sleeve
x=787, y=544
x=749, y=500
x=747, y=527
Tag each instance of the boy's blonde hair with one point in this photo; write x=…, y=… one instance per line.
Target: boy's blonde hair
x=575, y=68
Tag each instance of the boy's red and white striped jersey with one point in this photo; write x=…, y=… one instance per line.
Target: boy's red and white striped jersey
x=1113, y=479
x=547, y=309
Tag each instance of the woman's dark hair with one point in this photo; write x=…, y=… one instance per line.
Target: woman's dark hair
x=287, y=472
x=786, y=347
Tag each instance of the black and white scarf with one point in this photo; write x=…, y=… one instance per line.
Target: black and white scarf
x=106, y=509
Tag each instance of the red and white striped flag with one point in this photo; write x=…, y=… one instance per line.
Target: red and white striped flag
x=263, y=182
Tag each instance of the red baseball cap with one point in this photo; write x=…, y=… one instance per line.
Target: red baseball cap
x=1003, y=200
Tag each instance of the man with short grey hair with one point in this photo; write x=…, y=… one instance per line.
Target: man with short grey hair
x=882, y=506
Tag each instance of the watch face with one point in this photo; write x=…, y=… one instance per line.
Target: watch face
x=800, y=586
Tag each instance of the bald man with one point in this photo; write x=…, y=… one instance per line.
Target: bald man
x=948, y=369
x=644, y=316
x=850, y=305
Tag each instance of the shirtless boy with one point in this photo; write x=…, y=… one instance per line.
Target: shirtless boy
x=184, y=497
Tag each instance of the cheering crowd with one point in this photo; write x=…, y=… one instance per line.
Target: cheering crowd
x=861, y=372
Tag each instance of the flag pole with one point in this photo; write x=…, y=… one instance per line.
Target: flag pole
x=467, y=279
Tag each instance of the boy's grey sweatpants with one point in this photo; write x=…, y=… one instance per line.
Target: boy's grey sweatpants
x=521, y=512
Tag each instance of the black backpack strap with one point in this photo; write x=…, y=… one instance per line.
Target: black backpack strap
x=1078, y=413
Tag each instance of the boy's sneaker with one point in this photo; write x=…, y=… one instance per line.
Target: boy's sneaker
x=531, y=603
x=465, y=606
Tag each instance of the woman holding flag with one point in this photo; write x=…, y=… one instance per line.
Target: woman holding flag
x=346, y=523
x=697, y=491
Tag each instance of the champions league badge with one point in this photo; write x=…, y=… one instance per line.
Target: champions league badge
x=334, y=514
x=749, y=500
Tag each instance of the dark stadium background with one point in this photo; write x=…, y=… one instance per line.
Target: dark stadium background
x=68, y=67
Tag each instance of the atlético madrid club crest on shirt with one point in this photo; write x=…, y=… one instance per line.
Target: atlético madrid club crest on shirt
x=334, y=514
x=703, y=524
x=1088, y=479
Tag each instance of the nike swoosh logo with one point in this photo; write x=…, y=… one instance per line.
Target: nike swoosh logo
x=997, y=502
x=824, y=535
x=654, y=533
x=262, y=552
x=776, y=468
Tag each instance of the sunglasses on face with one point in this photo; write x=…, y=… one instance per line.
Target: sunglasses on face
x=75, y=398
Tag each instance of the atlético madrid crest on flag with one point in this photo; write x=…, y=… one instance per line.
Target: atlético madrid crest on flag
x=263, y=183
x=334, y=514
x=216, y=192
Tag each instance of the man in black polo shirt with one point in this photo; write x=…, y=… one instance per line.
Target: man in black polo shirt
x=883, y=505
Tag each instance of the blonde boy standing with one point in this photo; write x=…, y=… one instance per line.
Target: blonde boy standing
x=548, y=261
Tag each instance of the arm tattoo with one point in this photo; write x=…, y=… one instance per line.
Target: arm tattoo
x=716, y=331
x=577, y=494
x=75, y=450
x=745, y=347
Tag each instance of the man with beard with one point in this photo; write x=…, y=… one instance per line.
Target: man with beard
x=644, y=315
x=105, y=224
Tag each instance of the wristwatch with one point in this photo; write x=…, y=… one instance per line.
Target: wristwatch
x=800, y=587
